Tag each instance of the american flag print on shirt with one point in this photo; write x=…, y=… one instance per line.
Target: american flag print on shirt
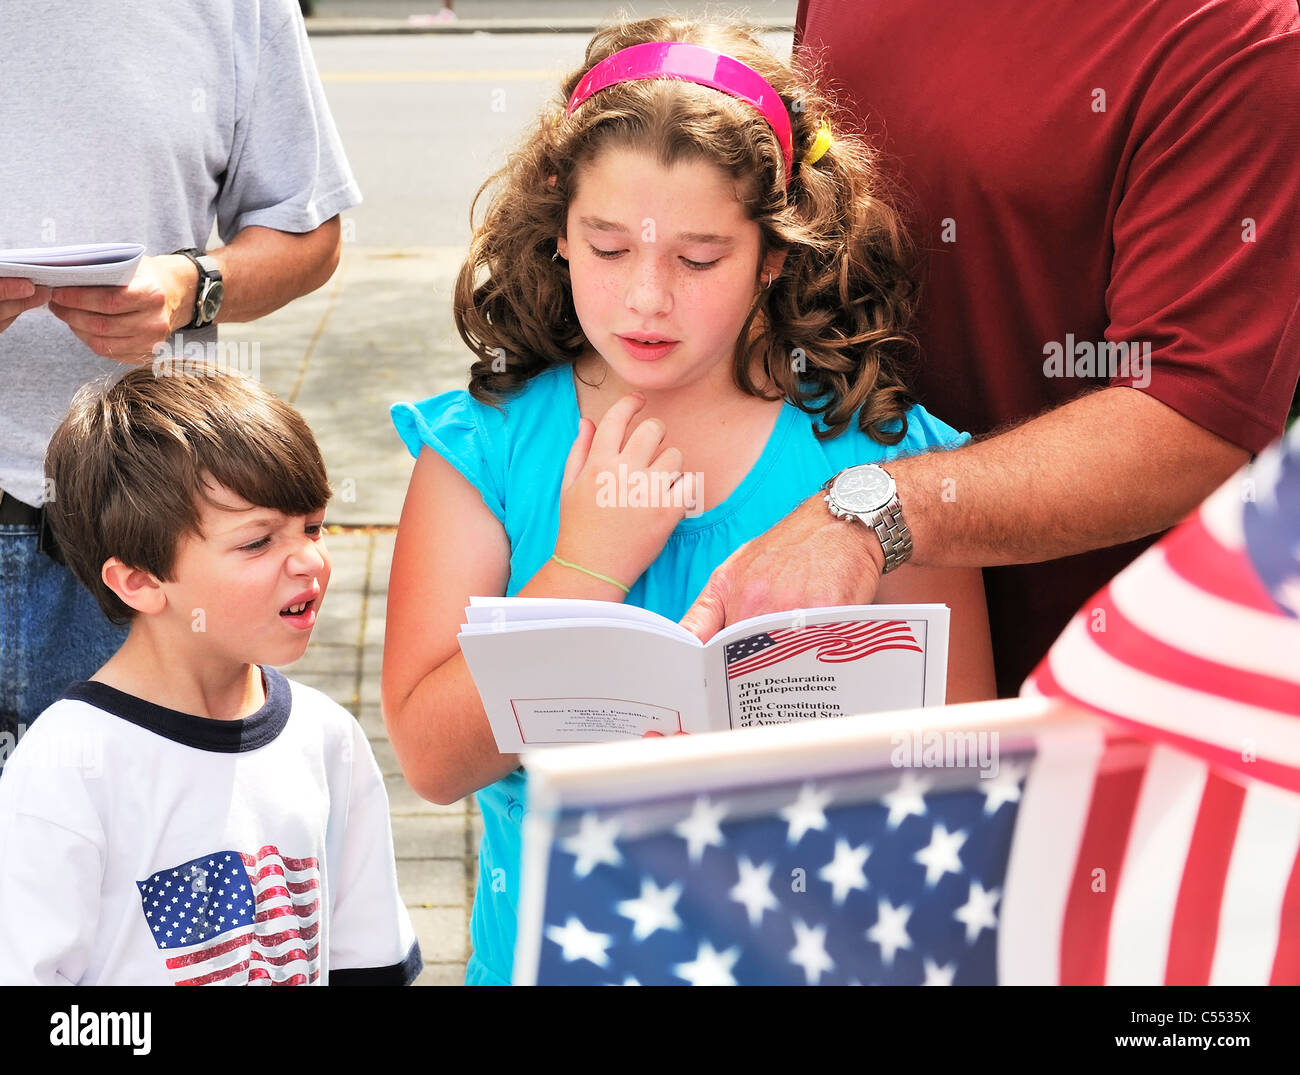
x=232, y=918
x=1081, y=862
x=832, y=643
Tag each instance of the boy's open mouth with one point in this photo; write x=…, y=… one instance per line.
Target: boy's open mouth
x=299, y=608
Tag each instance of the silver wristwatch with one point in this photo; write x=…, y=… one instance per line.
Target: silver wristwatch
x=868, y=493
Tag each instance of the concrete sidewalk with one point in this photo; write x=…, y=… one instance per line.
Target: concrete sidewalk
x=437, y=846
x=342, y=355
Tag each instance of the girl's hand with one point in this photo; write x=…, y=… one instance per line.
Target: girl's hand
x=619, y=502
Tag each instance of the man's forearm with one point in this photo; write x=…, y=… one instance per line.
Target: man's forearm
x=263, y=269
x=1106, y=468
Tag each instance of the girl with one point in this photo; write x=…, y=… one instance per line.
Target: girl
x=684, y=277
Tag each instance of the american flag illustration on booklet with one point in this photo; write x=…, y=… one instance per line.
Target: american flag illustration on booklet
x=559, y=672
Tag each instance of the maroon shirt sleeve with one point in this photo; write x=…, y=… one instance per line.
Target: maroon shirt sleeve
x=1207, y=228
x=1110, y=171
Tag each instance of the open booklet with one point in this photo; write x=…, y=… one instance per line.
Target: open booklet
x=86, y=265
x=557, y=672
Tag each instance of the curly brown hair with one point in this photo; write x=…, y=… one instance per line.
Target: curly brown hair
x=831, y=333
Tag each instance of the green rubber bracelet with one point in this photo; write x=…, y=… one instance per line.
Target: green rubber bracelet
x=593, y=574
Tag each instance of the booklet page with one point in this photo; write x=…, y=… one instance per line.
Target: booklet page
x=834, y=663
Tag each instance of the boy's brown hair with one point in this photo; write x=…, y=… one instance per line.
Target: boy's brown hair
x=127, y=466
x=832, y=330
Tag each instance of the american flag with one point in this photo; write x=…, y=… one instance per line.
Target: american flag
x=1197, y=643
x=237, y=919
x=834, y=643
x=1082, y=859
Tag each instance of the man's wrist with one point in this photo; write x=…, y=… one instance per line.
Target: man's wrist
x=868, y=494
x=185, y=275
x=862, y=539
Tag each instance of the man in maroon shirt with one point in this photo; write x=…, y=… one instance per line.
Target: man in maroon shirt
x=1083, y=175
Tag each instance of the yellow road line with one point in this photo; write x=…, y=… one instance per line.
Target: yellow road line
x=514, y=75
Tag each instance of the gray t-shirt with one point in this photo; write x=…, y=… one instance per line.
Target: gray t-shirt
x=140, y=121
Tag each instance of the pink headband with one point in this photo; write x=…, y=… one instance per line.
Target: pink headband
x=691, y=63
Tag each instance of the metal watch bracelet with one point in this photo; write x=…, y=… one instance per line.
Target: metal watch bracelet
x=895, y=538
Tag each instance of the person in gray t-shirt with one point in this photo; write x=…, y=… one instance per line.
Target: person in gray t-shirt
x=139, y=122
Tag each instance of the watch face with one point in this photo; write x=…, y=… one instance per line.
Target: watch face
x=211, y=303
x=862, y=489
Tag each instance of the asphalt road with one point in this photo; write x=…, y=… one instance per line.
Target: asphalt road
x=426, y=118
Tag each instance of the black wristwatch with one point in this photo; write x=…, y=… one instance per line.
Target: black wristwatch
x=207, y=298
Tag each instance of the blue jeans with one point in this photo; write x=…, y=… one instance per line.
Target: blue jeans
x=52, y=632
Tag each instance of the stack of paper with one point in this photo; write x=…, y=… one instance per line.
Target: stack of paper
x=86, y=265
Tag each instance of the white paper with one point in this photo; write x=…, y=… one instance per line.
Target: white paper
x=83, y=265
x=558, y=685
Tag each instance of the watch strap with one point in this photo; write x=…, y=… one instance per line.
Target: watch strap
x=895, y=538
x=208, y=271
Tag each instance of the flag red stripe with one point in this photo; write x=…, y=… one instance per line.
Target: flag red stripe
x=1204, y=562
x=847, y=642
x=210, y=952
x=1195, y=929
x=274, y=870
x=1133, y=646
x=287, y=957
x=270, y=850
x=284, y=891
x=1257, y=767
x=1085, y=927
x=1286, y=960
x=258, y=972
x=840, y=655
x=302, y=909
x=216, y=975
x=306, y=933
x=798, y=640
x=833, y=656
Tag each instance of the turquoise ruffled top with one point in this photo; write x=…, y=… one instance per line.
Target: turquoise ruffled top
x=514, y=456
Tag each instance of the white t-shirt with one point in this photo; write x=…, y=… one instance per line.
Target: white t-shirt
x=142, y=846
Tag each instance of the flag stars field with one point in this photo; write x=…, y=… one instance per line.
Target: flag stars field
x=810, y=951
x=890, y=930
x=710, y=890
x=1003, y=788
x=844, y=872
x=977, y=912
x=594, y=843
x=937, y=975
x=709, y=967
x=940, y=855
x=576, y=942
x=906, y=800
x=701, y=829
x=806, y=813
x=754, y=890
x=653, y=909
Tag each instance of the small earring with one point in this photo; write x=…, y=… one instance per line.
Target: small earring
x=769, y=280
x=556, y=256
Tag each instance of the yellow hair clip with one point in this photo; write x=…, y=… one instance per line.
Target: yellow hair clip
x=821, y=143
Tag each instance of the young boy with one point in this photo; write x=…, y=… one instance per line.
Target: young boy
x=189, y=815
